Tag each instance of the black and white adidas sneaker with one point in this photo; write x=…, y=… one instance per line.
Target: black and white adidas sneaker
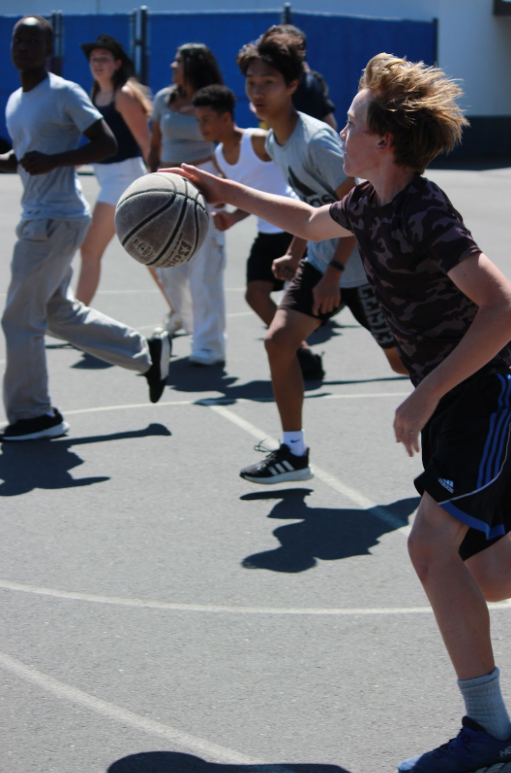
x=278, y=467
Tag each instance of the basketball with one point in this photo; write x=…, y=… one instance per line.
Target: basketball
x=161, y=220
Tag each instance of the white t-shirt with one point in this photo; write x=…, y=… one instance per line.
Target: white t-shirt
x=312, y=163
x=252, y=171
x=50, y=118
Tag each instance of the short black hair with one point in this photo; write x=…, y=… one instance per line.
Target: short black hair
x=44, y=23
x=301, y=38
x=277, y=48
x=219, y=98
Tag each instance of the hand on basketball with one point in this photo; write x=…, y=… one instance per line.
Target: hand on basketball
x=327, y=295
x=284, y=268
x=411, y=417
x=208, y=184
x=35, y=162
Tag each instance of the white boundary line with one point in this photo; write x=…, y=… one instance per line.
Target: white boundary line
x=126, y=717
x=235, y=609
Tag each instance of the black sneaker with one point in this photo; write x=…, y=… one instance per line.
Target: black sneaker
x=280, y=465
x=311, y=364
x=160, y=349
x=35, y=429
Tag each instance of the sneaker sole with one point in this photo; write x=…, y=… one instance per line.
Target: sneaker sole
x=51, y=432
x=305, y=474
x=164, y=358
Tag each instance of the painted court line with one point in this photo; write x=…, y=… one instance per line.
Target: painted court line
x=210, y=402
x=116, y=713
x=342, y=488
x=235, y=609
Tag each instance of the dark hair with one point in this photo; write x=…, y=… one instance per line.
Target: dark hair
x=199, y=65
x=44, y=23
x=219, y=98
x=290, y=29
x=279, y=50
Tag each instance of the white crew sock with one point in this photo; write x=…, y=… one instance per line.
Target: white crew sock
x=295, y=441
x=484, y=704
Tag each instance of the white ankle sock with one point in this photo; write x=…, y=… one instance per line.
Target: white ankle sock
x=295, y=442
x=484, y=704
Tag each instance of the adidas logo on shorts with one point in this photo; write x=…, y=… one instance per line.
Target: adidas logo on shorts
x=448, y=484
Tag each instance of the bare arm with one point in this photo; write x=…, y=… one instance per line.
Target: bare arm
x=8, y=161
x=224, y=220
x=296, y=217
x=153, y=159
x=102, y=144
x=135, y=118
x=481, y=281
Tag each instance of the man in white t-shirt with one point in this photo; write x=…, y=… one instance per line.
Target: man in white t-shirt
x=46, y=118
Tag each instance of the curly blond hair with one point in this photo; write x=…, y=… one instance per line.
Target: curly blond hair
x=417, y=105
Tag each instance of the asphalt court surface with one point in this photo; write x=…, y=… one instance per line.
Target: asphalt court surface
x=160, y=614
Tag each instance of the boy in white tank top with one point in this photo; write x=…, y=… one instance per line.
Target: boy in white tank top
x=241, y=156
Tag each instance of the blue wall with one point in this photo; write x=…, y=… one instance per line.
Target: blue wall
x=338, y=47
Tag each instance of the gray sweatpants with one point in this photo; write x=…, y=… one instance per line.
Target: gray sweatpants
x=40, y=299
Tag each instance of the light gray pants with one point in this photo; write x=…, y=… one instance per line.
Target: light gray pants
x=40, y=299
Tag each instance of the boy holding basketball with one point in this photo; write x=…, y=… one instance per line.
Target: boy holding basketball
x=46, y=118
x=450, y=310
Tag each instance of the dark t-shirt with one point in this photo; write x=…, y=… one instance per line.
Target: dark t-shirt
x=311, y=96
x=407, y=248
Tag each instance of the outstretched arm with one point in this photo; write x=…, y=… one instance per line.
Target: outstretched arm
x=481, y=281
x=291, y=215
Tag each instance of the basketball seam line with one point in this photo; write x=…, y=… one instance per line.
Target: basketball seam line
x=172, y=235
x=146, y=220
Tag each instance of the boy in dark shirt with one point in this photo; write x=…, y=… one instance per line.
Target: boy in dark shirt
x=449, y=308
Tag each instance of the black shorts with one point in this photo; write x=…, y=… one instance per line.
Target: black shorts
x=265, y=249
x=467, y=459
x=360, y=301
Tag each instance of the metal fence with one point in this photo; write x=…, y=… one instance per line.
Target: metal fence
x=337, y=46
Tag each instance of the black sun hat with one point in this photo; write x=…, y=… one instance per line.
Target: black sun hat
x=109, y=44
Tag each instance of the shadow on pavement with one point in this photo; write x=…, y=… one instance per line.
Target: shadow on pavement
x=185, y=377
x=175, y=762
x=44, y=464
x=327, y=534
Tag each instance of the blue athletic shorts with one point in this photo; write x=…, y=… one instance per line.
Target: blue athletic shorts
x=467, y=459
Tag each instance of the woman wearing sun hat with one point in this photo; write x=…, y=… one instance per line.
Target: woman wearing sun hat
x=125, y=106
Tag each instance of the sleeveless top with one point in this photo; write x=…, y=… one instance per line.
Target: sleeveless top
x=250, y=170
x=128, y=147
x=181, y=139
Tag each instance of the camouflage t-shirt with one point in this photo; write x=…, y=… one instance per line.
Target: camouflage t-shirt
x=407, y=248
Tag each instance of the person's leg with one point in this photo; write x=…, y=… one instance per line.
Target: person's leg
x=287, y=330
x=491, y=569
x=176, y=286
x=363, y=305
x=258, y=297
x=208, y=300
x=395, y=362
x=457, y=601
x=41, y=258
x=99, y=235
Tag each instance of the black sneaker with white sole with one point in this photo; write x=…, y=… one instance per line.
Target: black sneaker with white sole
x=36, y=429
x=279, y=466
x=160, y=349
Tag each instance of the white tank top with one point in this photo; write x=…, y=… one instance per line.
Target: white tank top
x=250, y=170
